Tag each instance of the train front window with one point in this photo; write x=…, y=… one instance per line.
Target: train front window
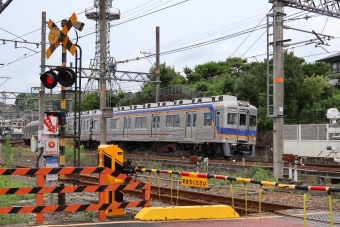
x=243, y=119
x=207, y=119
x=252, y=121
x=232, y=118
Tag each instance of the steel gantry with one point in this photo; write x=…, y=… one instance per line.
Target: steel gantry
x=92, y=84
x=275, y=81
x=329, y=8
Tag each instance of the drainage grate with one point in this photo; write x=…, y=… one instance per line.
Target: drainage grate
x=317, y=215
x=325, y=217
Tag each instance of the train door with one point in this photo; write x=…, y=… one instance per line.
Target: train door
x=127, y=127
x=243, y=128
x=217, y=124
x=190, y=131
x=155, y=127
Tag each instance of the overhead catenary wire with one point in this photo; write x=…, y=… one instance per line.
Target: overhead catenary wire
x=249, y=35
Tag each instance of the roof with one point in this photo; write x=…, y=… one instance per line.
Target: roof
x=331, y=58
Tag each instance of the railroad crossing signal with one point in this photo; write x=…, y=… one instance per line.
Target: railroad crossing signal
x=57, y=36
x=66, y=77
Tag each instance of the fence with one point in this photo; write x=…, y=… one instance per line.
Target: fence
x=309, y=140
x=102, y=188
x=304, y=188
x=169, y=90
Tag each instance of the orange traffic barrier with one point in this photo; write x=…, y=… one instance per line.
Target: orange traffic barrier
x=101, y=206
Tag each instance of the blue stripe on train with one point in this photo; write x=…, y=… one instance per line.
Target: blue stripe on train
x=233, y=131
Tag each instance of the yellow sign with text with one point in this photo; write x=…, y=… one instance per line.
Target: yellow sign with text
x=195, y=182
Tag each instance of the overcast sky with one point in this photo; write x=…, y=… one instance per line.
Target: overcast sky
x=184, y=24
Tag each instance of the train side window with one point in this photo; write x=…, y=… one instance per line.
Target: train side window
x=95, y=124
x=232, y=118
x=243, y=119
x=138, y=122
x=189, y=120
x=194, y=119
x=168, y=121
x=176, y=121
x=144, y=122
x=88, y=125
x=207, y=119
x=127, y=122
x=252, y=121
x=115, y=124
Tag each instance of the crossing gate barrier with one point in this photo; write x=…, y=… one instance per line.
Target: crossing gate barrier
x=102, y=188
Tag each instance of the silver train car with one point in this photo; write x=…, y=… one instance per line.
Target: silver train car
x=219, y=126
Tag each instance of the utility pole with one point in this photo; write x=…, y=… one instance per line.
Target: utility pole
x=157, y=65
x=102, y=23
x=40, y=160
x=278, y=84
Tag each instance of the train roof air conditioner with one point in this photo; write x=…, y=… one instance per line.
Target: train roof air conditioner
x=224, y=98
x=202, y=100
x=160, y=104
x=135, y=107
x=184, y=101
x=150, y=105
x=114, y=109
x=194, y=100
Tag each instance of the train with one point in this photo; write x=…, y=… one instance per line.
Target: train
x=217, y=126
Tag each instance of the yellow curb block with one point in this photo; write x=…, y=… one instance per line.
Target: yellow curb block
x=186, y=213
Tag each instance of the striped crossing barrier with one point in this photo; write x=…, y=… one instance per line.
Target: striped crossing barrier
x=239, y=179
x=129, y=184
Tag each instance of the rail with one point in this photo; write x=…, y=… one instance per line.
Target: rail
x=169, y=90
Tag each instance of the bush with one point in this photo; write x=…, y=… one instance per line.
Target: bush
x=69, y=154
x=262, y=174
x=10, y=200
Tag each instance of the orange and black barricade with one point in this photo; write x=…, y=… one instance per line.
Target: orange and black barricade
x=40, y=190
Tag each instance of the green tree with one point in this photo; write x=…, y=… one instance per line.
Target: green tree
x=91, y=102
x=168, y=75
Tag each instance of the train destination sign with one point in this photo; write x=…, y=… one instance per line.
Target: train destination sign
x=195, y=182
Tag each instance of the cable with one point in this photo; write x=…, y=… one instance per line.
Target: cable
x=325, y=24
x=249, y=35
x=199, y=44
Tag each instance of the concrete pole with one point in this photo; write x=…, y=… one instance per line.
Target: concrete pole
x=157, y=65
x=102, y=29
x=278, y=90
x=42, y=87
x=42, y=107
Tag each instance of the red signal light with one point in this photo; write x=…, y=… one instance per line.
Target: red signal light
x=66, y=77
x=49, y=79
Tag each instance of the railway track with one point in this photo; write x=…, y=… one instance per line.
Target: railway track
x=186, y=198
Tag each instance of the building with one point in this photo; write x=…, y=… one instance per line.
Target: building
x=334, y=61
